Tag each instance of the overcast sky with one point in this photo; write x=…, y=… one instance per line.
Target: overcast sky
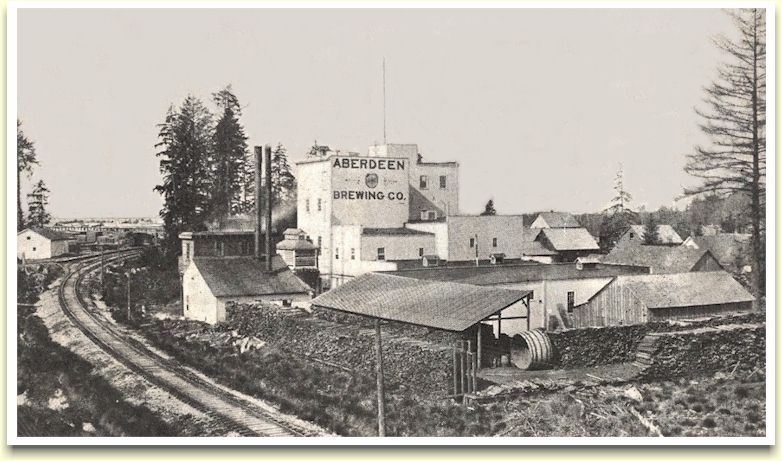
x=538, y=106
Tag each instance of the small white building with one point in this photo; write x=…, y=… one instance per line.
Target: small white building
x=210, y=283
x=40, y=243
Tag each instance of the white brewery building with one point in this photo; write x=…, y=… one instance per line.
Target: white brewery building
x=388, y=210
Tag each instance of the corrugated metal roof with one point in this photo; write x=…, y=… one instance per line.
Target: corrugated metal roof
x=517, y=273
x=443, y=305
x=685, y=289
x=392, y=231
x=666, y=233
x=49, y=234
x=559, y=219
x=568, y=239
x=661, y=259
x=246, y=276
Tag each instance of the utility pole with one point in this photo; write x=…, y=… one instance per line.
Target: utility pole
x=102, y=286
x=129, y=296
x=476, y=249
x=381, y=397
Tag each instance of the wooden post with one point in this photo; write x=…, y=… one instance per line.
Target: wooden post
x=381, y=411
x=258, y=211
x=456, y=390
x=499, y=325
x=101, y=271
x=528, y=303
x=475, y=373
x=463, y=368
x=480, y=346
x=128, y=296
x=470, y=384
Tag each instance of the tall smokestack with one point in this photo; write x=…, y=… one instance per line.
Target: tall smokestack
x=258, y=186
x=267, y=160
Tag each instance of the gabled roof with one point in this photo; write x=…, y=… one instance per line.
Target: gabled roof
x=685, y=289
x=666, y=233
x=661, y=259
x=443, y=305
x=725, y=247
x=568, y=239
x=559, y=219
x=392, y=231
x=293, y=231
x=49, y=234
x=295, y=244
x=246, y=276
x=536, y=249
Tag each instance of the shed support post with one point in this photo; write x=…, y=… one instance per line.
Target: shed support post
x=480, y=346
x=456, y=390
x=527, y=303
x=381, y=410
x=463, y=371
x=499, y=325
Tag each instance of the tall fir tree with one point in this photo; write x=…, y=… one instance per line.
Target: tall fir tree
x=617, y=216
x=36, y=203
x=735, y=122
x=25, y=160
x=283, y=181
x=651, y=230
x=229, y=164
x=185, y=147
x=489, y=209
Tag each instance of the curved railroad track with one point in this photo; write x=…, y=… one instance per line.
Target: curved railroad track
x=239, y=415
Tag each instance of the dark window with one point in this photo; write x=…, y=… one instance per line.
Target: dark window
x=319, y=204
x=571, y=301
x=431, y=215
x=352, y=253
x=28, y=237
x=381, y=254
x=424, y=183
x=532, y=294
x=336, y=253
x=420, y=252
x=472, y=243
x=307, y=205
x=319, y=238
x=494, y=242
x=33, y=248
x=443, y=182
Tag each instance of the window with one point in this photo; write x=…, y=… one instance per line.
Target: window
x=219, y=248
x=571, y=301
x=33, y=248
x=494, y=242
x=381, y=254
x=319, y=204
x=28, y=237
x=352, y=253
x=421, y=252
x=472, y=243
x=532, y=294
x=187, y=251
x=187, y=303
x=443, y=182
x=336, y=253
x=307, y=205
x=319, y=239
x=431, y=215
x=424, y=183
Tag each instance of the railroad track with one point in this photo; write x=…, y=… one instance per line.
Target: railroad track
x=237, y=414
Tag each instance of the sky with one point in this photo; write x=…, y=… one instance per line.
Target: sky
x=538, y=106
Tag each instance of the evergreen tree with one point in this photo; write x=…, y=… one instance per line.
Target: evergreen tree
x=619, y=204
x=489, y=209
x=25, y=159
x=318, y=151
x=618, y=216
x=651, y=231
x=185, y=149
x=283, y=181
x=735, y=120
x=36, y=203
x=229, y=158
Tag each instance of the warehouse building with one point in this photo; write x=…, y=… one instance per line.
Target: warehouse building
x=39, y=243
x=636, y=234
x=661, y=259
x=635, y=299
x=375, y=212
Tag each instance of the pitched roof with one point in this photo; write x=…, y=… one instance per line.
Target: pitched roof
x=666, y=233
x=295, y=244
x=443, y=305
x=559, y=219
x=246, y=276
x=685, y=289
x=392, y=231
x=725, y=247
x=49, y=234
x=573, y=238
x=661, y=259
x=293, y=231
x=516, y=273
x=536, y=249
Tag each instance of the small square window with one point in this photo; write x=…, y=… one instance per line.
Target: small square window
x=352, y=253
x=421, y=252
x=319, y=204
x=336, y=253
x=424, y=182
x=33, y=248
x=443, y=182
x=472, y=243
x=381, y=254
x=28, y=237
x=307, y=205
x=494, y=242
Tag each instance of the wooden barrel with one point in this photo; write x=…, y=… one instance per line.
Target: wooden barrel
x=531, y=350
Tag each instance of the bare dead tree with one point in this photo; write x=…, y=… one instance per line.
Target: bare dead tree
x=735, y=121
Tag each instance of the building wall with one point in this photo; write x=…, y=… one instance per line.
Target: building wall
x=32, y=245
x=539, y=223
x=440, y=231
x=444, y=201
x=397, y=247
x=198, y=303
x=677, y=313
x=314, y=183
x=507, y=229
x=614, y=305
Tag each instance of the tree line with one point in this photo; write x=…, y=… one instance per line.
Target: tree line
x=38, y=198
x=208, y=169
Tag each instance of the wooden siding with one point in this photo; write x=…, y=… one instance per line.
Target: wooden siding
x=677, y=313
x=614, y=305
